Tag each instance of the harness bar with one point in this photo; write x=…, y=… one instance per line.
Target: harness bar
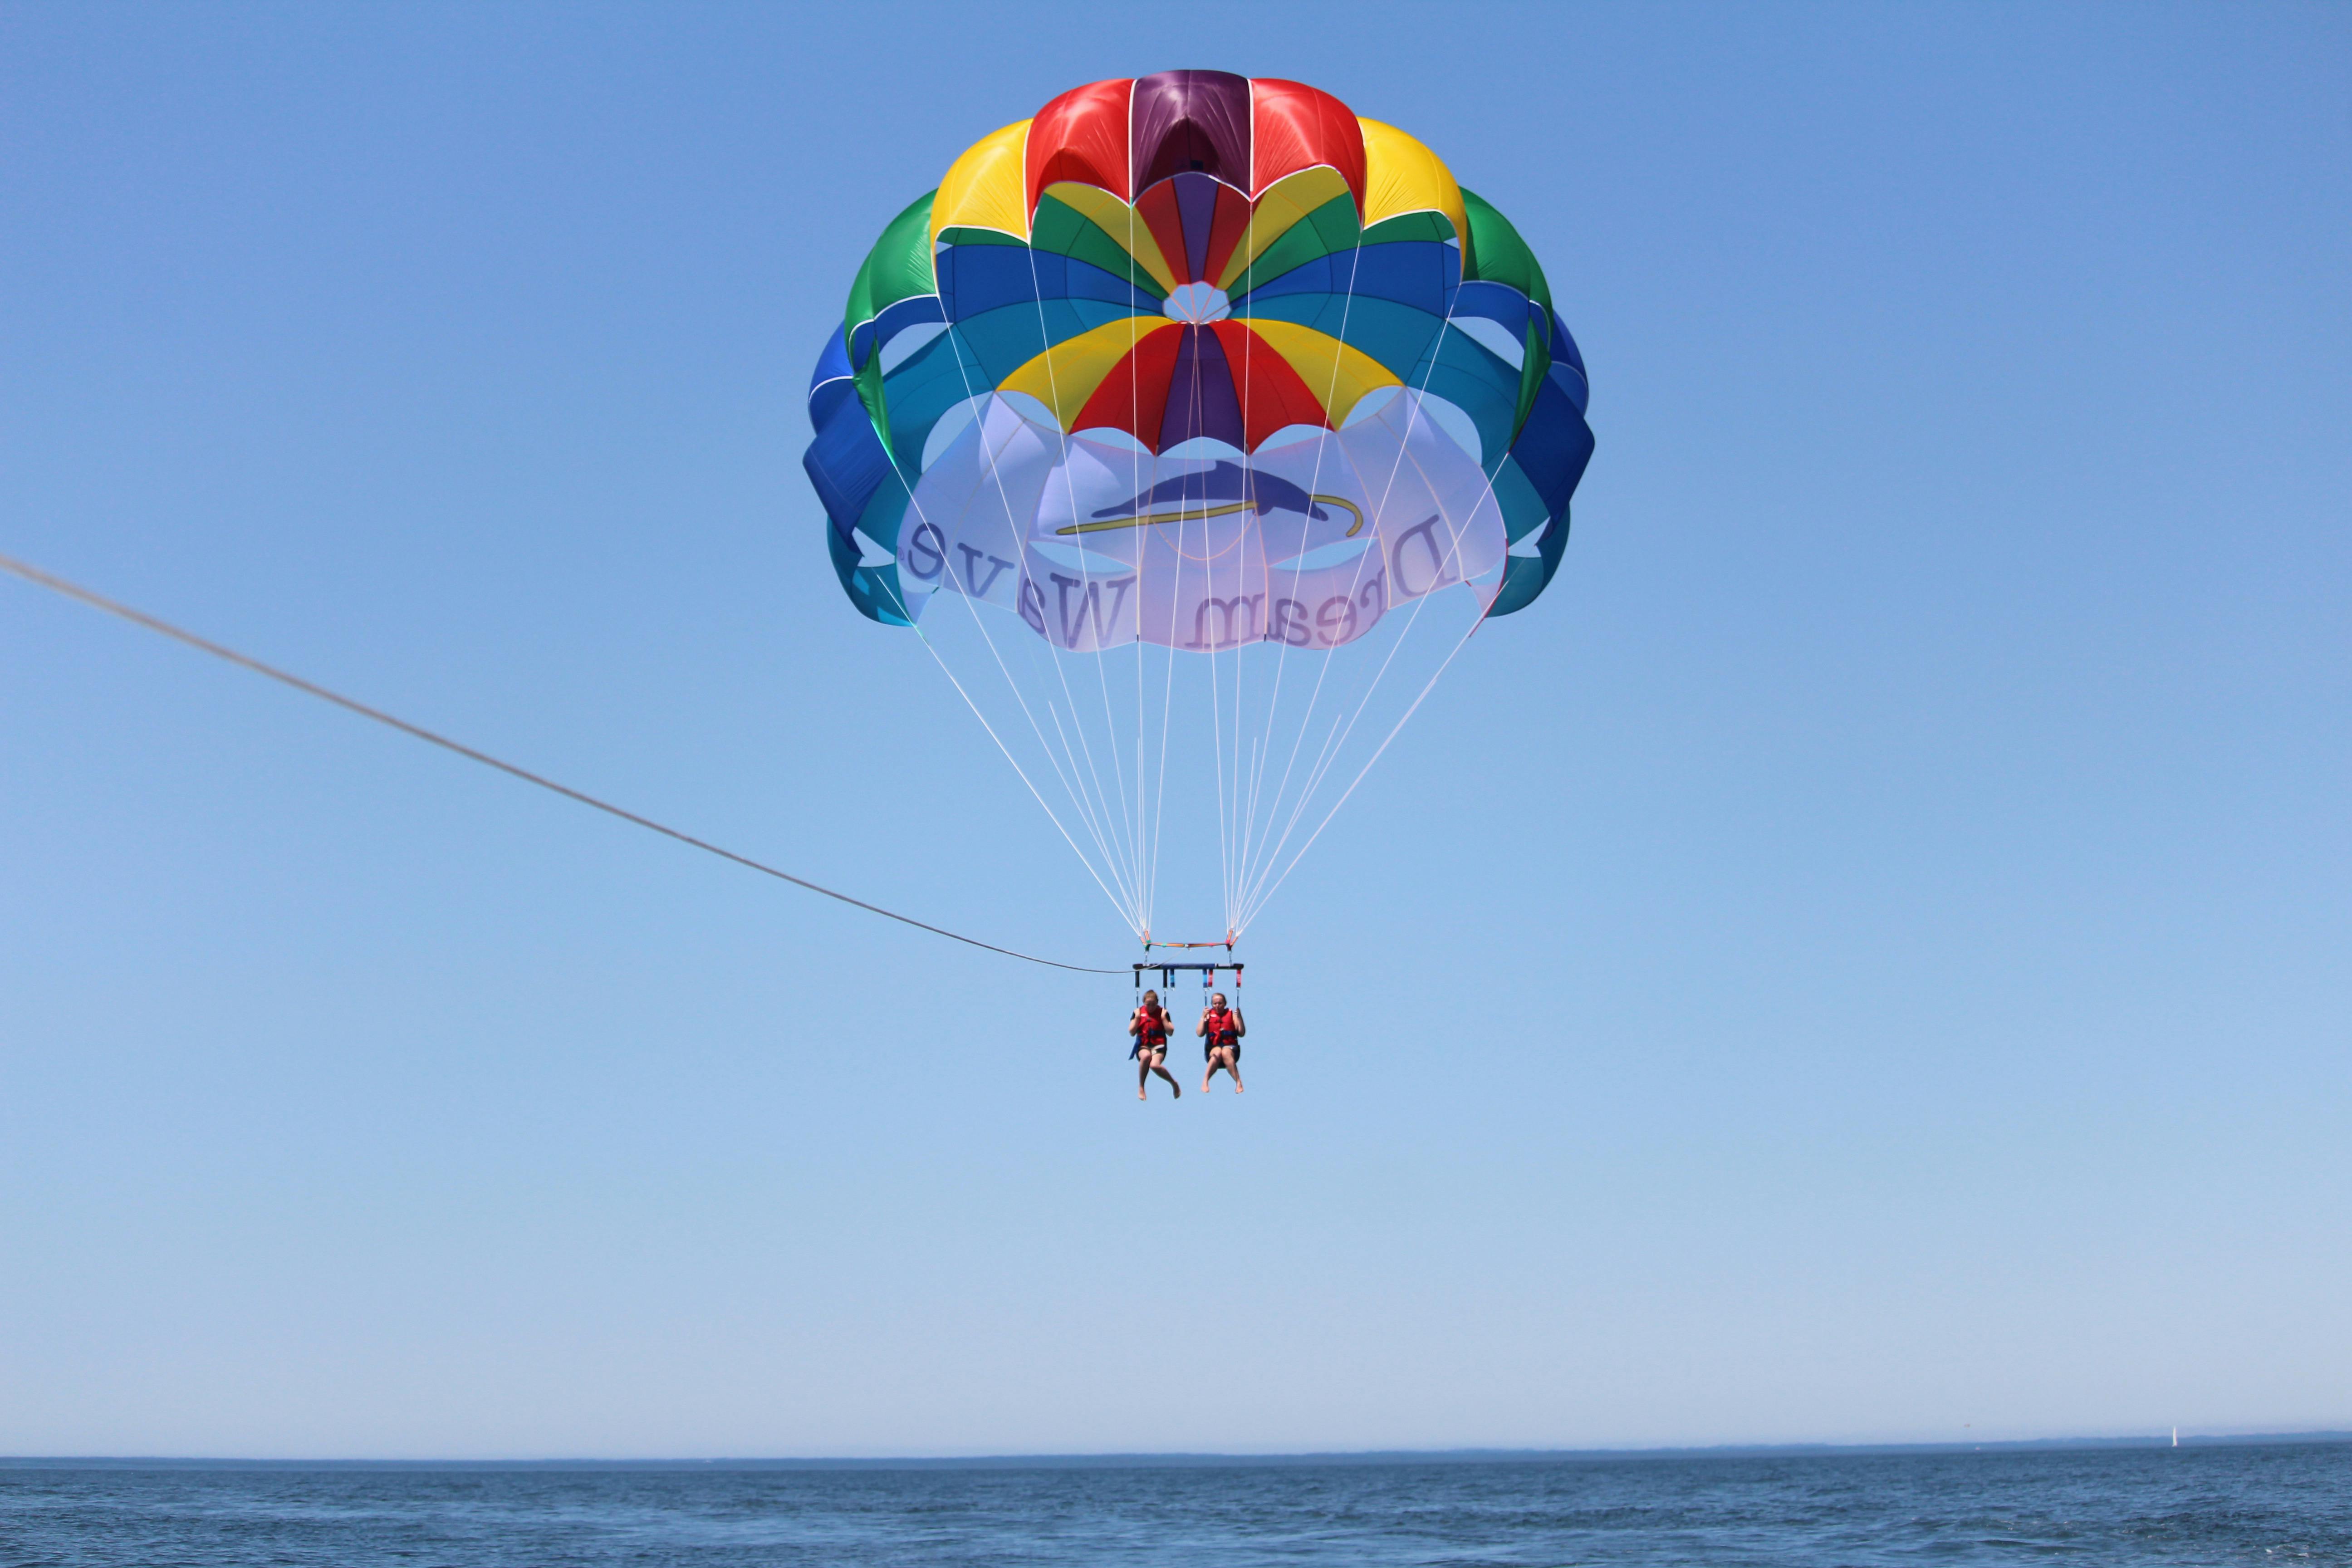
x=1168, y=972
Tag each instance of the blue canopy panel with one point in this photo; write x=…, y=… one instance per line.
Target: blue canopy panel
x=1419, y=273
x=1515, y=496
x=845, y=461
x=1516, y=328
x=934, y=377
x=1396, y=335
x=1000, y=340
x=873, y=589
x=847, y=466
x=833, y=381
x=1554, y=447
x=977, y=278
x=1568, y=368
x=1471, y=377
x=1546, y=463
x=894, y=318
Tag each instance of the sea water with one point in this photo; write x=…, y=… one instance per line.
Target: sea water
x=2275, y=1503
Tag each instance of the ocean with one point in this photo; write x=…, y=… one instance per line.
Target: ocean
x=2237, y=1504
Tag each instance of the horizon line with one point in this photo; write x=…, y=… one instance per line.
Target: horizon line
x=1203, y=1459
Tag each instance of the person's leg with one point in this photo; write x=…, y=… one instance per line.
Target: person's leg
x=1142, y=1074
x=1159, y=1059
x=1233, y=1055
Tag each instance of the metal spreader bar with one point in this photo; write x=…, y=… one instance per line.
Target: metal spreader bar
x=1168, y=972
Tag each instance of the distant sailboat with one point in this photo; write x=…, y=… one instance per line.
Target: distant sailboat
x=2175, y=1437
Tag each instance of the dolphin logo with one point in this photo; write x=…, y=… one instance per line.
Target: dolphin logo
x=1224, y=489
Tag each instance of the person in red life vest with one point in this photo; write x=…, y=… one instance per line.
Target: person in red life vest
x=1221, y=1033
x=1149, y=1028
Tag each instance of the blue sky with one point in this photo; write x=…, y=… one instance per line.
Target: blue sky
x=1899, y=992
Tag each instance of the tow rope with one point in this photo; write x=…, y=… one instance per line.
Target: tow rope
x=74, y=591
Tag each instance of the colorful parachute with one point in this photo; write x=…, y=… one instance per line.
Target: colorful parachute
x=1204, y=364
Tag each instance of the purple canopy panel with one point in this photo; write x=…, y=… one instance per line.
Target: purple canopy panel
x=1201, y=396
x=1196, y=210
x=1182, y=120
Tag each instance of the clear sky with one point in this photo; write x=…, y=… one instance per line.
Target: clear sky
x=1898, y=987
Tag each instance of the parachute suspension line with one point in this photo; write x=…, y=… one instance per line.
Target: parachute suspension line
x=1098, y=819
x=1316, y=778
x=1233, y=785
x=1145, y=868
x=1249, y=344
x=74, y=591
x=1071, y=781
x=1068, y=785
x=1232, y=893
x=1167, y=707
x=1150, y=796
x=1243, y=769
x=1147, y=845
x=1282, y=654
x=1135, y=909
x=1216, y=685
x=1070, y=486
x=1241, y=826
x=1228, y=779
x=1315, y=781
x=1195, y=399
x=1259, y=901
x=1143, y=886
x=1332, y=739
x=1426, y=689
x=1067, y=779
x=1019, y=772
x=1097, y=804
x=1229, y=786
x=1332, y=751
x=1356, y=584
x=1080, y=756
x=1156, y=837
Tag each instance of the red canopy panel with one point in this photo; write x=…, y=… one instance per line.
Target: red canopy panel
x=1231, y=222
x=1126, y=135
x=1272, y=394
x=1294, y=127
x=1134, y=396
x=1157, y=207
x=1081, y=136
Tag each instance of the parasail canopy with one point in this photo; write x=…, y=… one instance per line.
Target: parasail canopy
x=1209, y=365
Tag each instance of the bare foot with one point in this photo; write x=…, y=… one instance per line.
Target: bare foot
x=1140, y=1095
x=1177, y=1090
x=1237, y=1089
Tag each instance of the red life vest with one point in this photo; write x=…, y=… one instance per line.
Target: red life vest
x=1221, y=1026
x=1152, y=1035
